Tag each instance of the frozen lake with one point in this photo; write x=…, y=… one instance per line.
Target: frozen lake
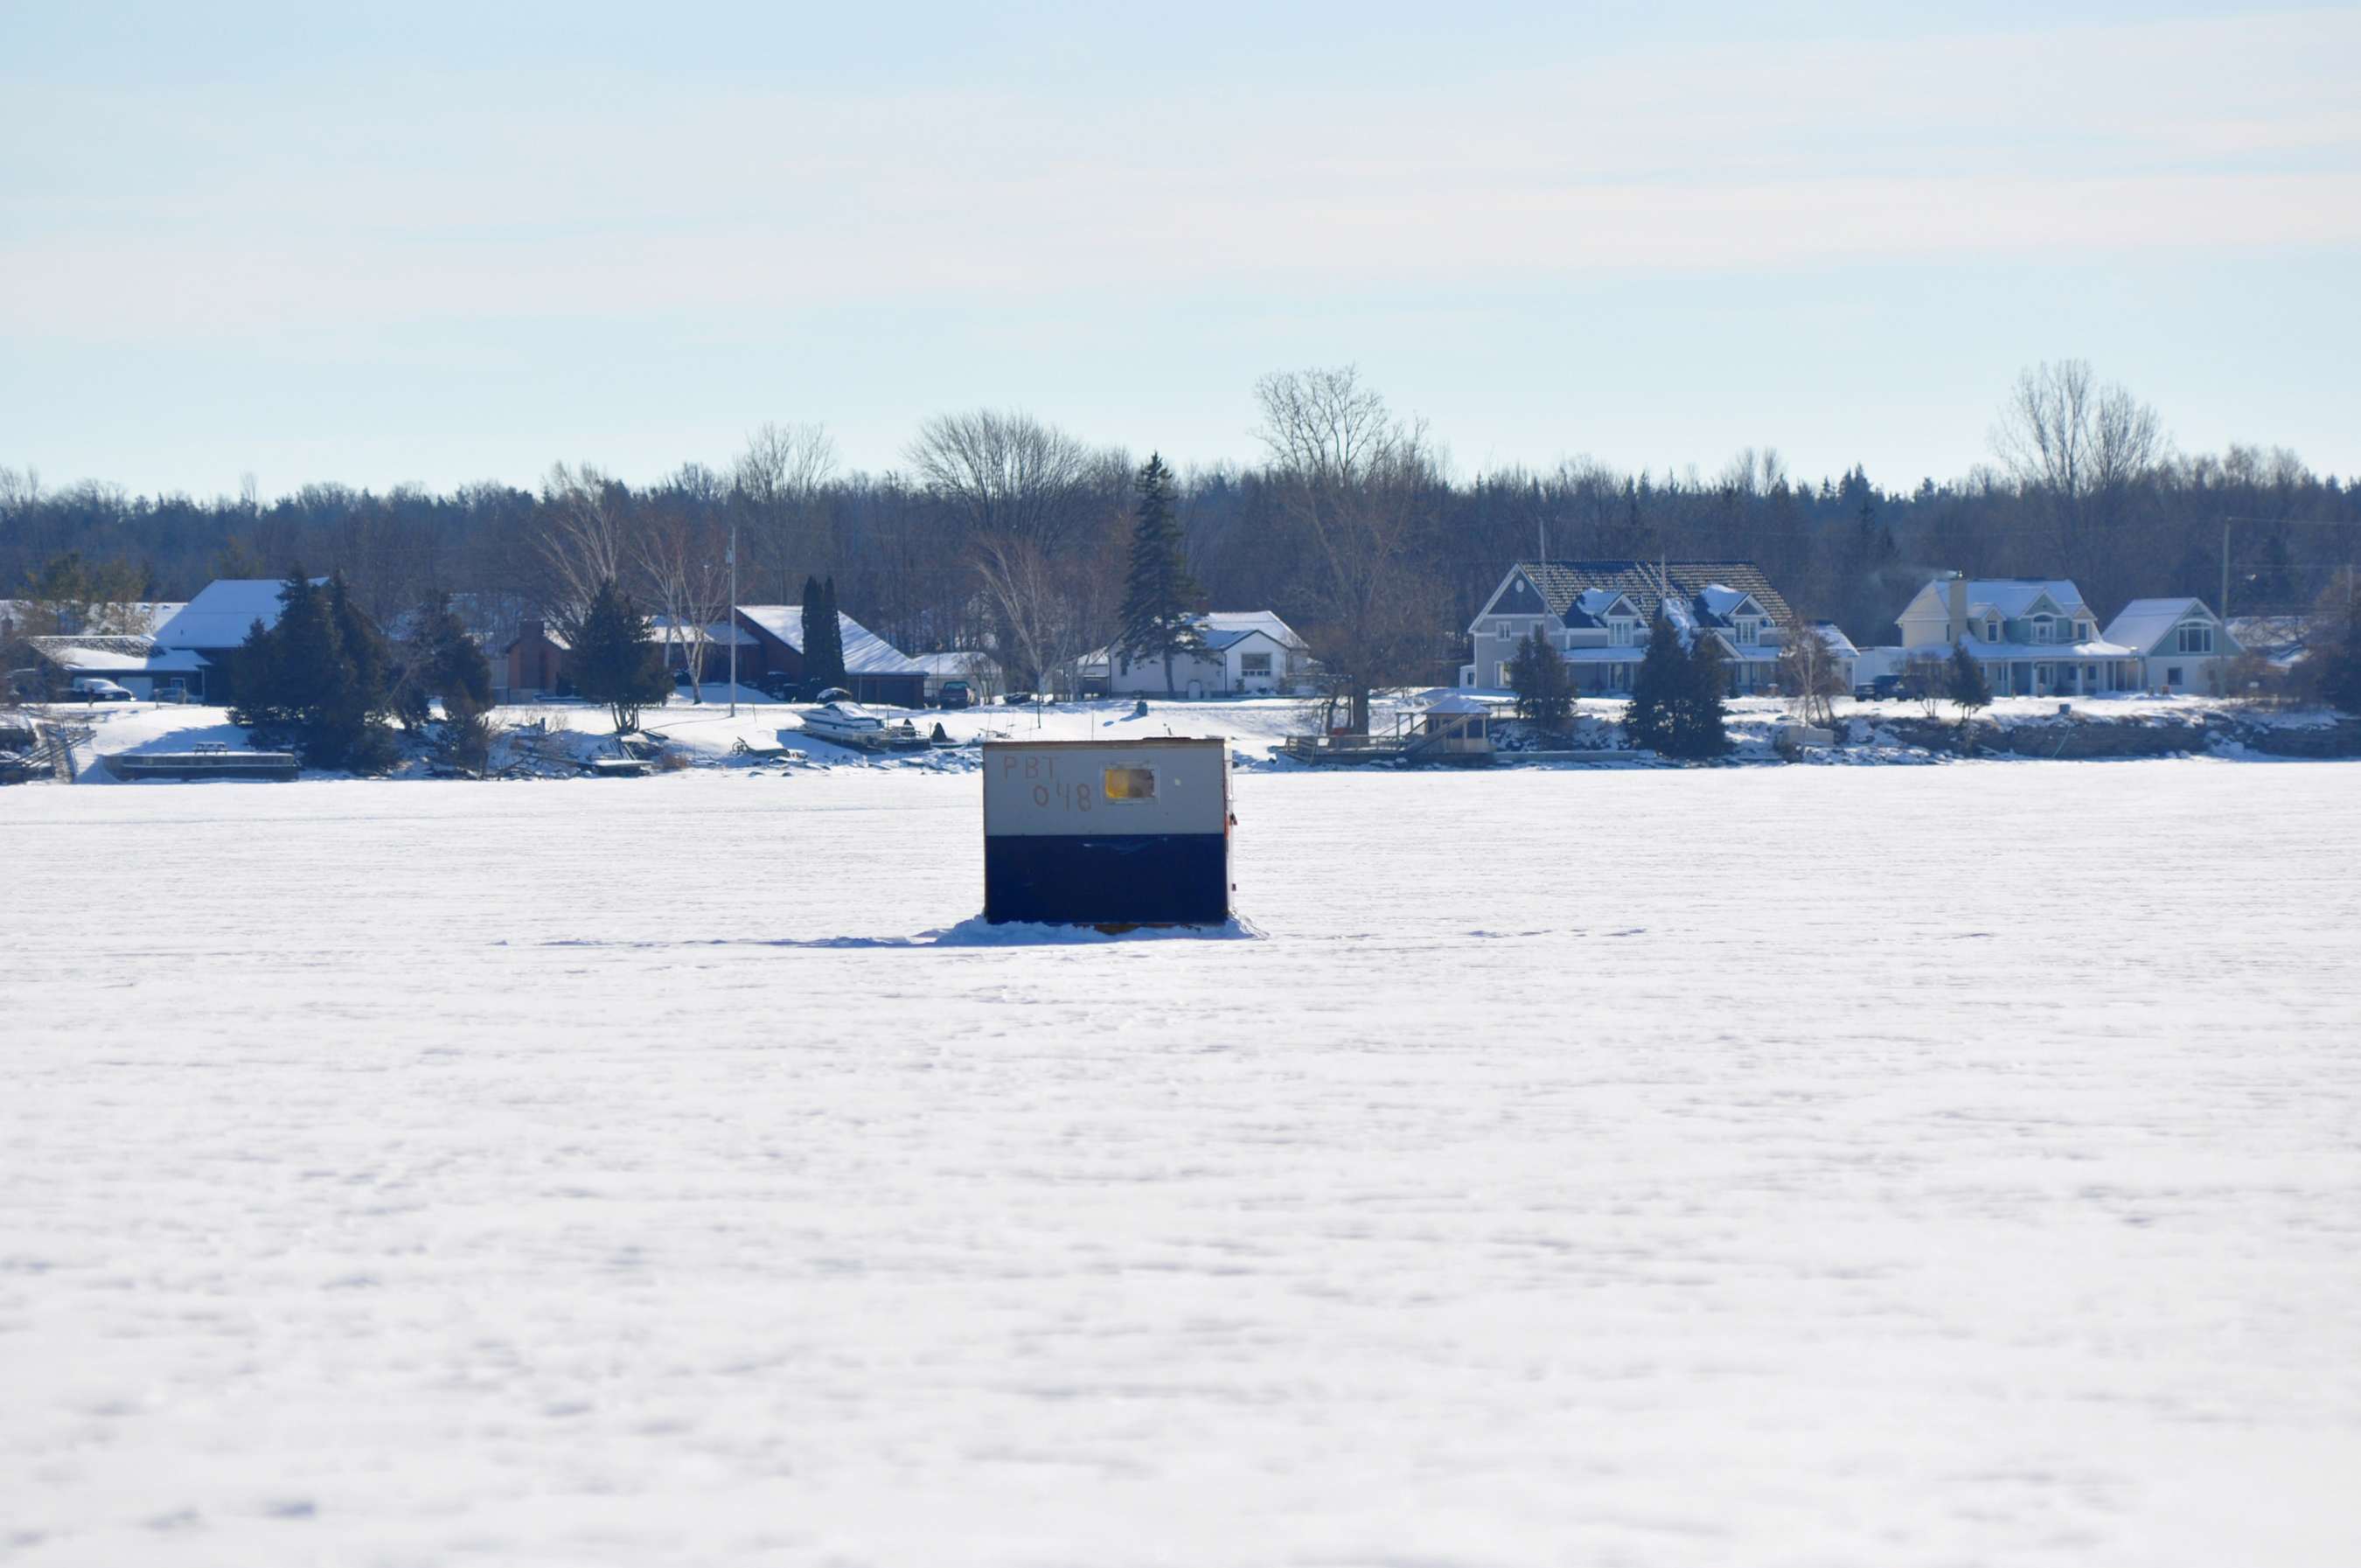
x=1804, y=1166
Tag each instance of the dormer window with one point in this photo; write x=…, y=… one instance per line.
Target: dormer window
x=2044, y=628
x=1991, y=629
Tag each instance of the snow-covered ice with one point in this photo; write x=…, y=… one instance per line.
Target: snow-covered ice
x=1769, y=1166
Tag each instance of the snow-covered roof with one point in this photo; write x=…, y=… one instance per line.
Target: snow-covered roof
x=1833, y=635
x=962, y=663
x=2014, y=598
x=866, y=653
x=116, y=656
x=664, y=630
x=223, y=611
x=1263, y=620
x=1721, y=601
x=1564, y=588
x=2143, y=623
x=1456, y=703
x=2018, y=653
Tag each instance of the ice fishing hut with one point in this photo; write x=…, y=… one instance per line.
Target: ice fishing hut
x=1097, y=833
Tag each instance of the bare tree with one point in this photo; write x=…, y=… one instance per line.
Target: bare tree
x=678, y=554
x=1038, y=511
x=1354, y=483
x=779, y=484
x=1808, y=675
x=584, y=538
x=2078, y=445
x=1005, y=476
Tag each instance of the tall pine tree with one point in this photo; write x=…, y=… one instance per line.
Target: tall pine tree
x=616, y=661
x=1698, y=717
x=317, y=680
x=823, y=638
x=1159, y=596
x=1657, y=689
x=439, y=660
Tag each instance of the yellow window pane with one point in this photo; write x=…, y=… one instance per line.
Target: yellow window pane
x=1129, y=783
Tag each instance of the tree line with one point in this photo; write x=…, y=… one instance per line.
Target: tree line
x=1001, y=529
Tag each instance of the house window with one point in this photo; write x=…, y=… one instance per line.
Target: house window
x=2172, y=675
x=1992, y=630
x=1619, y=632
x=2044, y=628
x=1508, y=632
x=1254, y=664
x=2196, y=640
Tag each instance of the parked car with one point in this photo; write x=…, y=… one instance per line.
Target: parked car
x=98, y=688
x=1882, y=687
x=956, y=693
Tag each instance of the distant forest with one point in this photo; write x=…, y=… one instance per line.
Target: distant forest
x=1002, y=531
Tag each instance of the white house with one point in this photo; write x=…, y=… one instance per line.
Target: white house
x=1248, y=654
x=2181, y=645
x=2033, y=636
x=1597, y=615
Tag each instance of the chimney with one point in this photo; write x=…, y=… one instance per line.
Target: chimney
x=1958, y=608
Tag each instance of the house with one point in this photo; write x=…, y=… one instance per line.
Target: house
x=679, y=640
x=188, y=653
x=976, y=666
x=2182, y=644
x=135, y=663
x=535, y=664
x=210, y=627
x=875, y=670
x=1248, y=652
x=2033, y=636
x=1597, y=614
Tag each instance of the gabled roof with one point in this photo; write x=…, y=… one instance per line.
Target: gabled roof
x=663, y=629
x=2013, y=597
x=1720, y=602
x=115, y=655
x=1562, y=585
x=1833, y=635
x=2143, y=623
x=1263, y=620
x=223, y=611
x=866, y=653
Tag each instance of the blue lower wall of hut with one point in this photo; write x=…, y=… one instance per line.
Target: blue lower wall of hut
x=1137, y=879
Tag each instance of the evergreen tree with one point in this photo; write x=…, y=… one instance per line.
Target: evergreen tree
x=1699, y=717
x=1159, y=596
x=1657, y=689
x=823, y=638
x=2338, y=675
x=360, y=695
x=616, y=661
x=440, y=659
x=1969, y=690
x=1544, y=688
x=317, y=680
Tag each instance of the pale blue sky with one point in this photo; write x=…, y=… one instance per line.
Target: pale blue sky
x=441, y=244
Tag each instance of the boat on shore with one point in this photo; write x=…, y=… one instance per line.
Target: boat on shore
x=844, y=722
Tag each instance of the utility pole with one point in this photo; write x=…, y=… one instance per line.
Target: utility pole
x=732, y=559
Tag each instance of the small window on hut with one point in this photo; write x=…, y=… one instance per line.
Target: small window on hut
x=1129, y=783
